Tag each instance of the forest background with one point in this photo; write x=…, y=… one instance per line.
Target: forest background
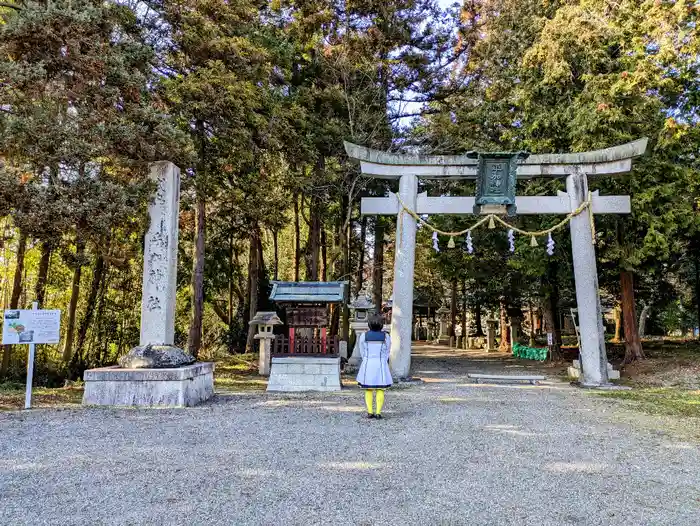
x=253, y=100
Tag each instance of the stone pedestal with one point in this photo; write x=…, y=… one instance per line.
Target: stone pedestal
x=265, y=353
x=304, y=373
x=182, y=387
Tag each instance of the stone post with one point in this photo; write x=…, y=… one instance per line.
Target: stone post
x=592, y=351
x=491, y=336
x=160, y=258
x=343, y=349
x=515, y=328
x=265, y=353
x=404, y=263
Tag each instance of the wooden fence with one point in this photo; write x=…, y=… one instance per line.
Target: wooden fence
x=305, y=346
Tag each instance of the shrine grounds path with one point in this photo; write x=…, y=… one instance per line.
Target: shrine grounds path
x=448, y=453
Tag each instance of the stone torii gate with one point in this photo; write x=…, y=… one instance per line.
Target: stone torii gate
x=576, y=167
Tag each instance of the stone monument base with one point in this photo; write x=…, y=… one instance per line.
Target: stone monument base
x=574, y=372
x=304, y=373
x=178, y=387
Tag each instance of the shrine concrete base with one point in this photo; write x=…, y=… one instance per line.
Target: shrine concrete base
x=304, y=373
x=181, y=387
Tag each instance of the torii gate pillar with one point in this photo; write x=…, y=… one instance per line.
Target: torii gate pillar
x=404, y=264
x=592, y=349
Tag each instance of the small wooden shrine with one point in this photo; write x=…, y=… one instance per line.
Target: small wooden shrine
x=305, y=310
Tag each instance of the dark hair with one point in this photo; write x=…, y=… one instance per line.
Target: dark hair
x=376, y=322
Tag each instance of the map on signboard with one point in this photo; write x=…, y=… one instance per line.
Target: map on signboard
x=31, y=326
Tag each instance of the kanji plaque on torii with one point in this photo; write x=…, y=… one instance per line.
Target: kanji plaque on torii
x=495, y=190
x=495, y=181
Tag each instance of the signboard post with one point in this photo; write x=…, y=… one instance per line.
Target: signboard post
x=31, y=327
x=30, y=369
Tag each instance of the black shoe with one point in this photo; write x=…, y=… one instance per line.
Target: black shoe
x=370, y=415
x=378, y=417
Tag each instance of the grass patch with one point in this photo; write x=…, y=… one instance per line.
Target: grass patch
x=661, y=401
x=12, y=396
x=238, y=373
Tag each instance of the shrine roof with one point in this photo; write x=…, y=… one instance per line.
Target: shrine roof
x=309, y=291
x=616, y=159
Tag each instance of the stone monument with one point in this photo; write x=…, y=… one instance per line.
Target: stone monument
x=443, y=316
x=156, y=373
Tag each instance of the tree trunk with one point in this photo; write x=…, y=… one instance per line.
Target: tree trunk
x=464, y=314
x=360, y=278
x=313, y=244
x=552, y=302
x=19, y=270
x=297, y=240
x=532, y=323
x=99, y=320
x=43, y=273
x=194, y=340
x=98, y=271
x=453, y=309
x=633, y=345
x=696, y=259
x=231, y=260
x=73, y=305
x=275, y=240
x=345, y=237
x=617, y=316
x=479, y=332
x=14, y=299
x=324, y=255
x=378, y=263
x=505, y=330
x=253, y=285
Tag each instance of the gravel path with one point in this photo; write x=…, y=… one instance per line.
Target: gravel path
x=448, y=453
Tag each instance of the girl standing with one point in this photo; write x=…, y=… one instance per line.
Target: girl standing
x=374, y=375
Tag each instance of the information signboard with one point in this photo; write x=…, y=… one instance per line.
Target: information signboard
x=31, y=326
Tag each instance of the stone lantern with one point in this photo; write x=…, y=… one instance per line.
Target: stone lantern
x=265, y=322
x=443, y=313
x=361, y=309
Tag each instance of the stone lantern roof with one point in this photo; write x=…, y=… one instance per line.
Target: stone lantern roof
x=266, y=318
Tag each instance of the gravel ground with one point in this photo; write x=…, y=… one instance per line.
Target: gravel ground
x=448, y=453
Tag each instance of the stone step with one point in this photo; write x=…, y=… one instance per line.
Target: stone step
x=533, y=379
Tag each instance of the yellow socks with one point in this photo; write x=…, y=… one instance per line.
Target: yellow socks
x=368, y=400
x=380, y=400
